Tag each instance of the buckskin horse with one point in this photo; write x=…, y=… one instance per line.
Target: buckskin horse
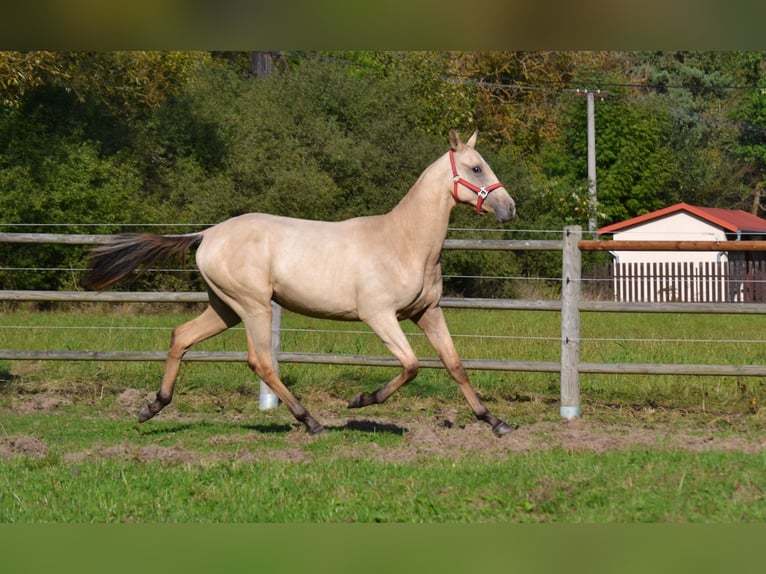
x=378, y=269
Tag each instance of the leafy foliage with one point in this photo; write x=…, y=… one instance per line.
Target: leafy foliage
x=126, y=82
x=192, y=137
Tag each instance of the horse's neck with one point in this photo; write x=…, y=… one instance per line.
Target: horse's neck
x=422, y=216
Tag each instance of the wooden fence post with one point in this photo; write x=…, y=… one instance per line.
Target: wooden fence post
x=267, y=399
x=571, y=275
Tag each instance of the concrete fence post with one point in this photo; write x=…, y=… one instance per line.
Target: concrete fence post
x=571, y=275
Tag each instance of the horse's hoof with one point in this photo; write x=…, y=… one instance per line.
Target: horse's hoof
x=363, y=400
x=502, y=428
x=314, y=428
x=144, y=414
x=357, y=401
x=151, y=409
x=312, y=425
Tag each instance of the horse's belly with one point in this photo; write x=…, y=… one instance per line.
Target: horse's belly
x=316, y=295
x=348, y=296
x=319, y=310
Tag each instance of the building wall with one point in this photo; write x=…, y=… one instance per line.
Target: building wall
x=675, y=227
x=637, y=278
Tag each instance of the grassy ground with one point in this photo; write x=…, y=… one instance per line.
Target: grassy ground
x=648, y=449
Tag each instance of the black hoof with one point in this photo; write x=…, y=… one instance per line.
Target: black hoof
x=312, y=426
x=151, y=409
x=502, y=428
x=358, y=401
x=363, y=400
x=145, y=414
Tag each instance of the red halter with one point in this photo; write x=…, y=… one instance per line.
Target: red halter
x=481, y=192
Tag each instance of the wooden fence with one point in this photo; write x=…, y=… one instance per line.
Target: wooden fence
x=571, y=304
x=682, y=281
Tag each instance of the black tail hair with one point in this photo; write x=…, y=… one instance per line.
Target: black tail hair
x=124, y=253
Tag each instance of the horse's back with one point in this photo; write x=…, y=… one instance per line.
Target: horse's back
x=312, y=267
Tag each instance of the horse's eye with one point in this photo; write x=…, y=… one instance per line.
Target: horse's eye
x=477, y=169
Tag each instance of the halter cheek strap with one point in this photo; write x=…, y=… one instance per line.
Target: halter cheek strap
x=481, y=192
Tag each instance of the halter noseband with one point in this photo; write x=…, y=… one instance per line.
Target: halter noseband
x=481, y=192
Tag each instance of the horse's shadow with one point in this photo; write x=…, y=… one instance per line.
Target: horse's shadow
x=369, y=426
x=7, y=378
x=363, y=426
x=174, y=427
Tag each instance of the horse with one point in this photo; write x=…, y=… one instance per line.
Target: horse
x=379, y=269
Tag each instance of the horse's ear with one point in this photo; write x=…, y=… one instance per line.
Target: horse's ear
x=471, y=143
x=454, y=140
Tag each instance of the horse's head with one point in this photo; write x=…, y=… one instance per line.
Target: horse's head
x=475, y=183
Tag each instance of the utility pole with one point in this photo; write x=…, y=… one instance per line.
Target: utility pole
x=591, y=95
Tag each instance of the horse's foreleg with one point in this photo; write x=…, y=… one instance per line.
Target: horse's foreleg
x=215, y=319
x=260, y=361
x=435, y=327
x=390, y=332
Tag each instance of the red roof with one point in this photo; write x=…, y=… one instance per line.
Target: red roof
x=733, y=220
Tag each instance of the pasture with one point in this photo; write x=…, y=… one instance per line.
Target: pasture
x=647, y=449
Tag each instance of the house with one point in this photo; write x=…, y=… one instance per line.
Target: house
x=691, y=276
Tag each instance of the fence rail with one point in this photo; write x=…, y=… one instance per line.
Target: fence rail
x=476, y=244
x=570, y=306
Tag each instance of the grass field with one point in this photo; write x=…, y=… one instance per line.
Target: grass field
x=648, y=448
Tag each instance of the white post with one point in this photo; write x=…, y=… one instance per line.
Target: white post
x=267, y=399
x=570, y=323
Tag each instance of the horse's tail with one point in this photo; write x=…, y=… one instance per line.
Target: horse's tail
x=124, y=253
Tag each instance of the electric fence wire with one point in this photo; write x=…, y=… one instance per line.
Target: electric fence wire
x=407, y=333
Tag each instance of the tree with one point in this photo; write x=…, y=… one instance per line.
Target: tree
x=518, y=92
x=661, y=137
x=192, y=137
x=751, y=140
x=23, y=71
x=694, y=91
x=125, y=82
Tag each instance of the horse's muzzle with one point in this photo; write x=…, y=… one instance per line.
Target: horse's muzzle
x=505, y=213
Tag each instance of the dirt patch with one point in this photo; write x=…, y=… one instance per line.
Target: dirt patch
x=405, y=434
x=133, y=399
x=11, y=446
x=572, y=436
x=41, y=403
x=171, y=455
x=419, y=440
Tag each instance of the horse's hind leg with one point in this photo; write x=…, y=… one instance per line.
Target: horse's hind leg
x=435, y=327
x=259, y=358
x=217, y=317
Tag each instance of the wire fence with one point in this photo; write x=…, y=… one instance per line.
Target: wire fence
x=576, y=296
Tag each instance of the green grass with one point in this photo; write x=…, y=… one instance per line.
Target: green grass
x=212, y=456
x=517, y=335
x=103, y=467
x=577, y=488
